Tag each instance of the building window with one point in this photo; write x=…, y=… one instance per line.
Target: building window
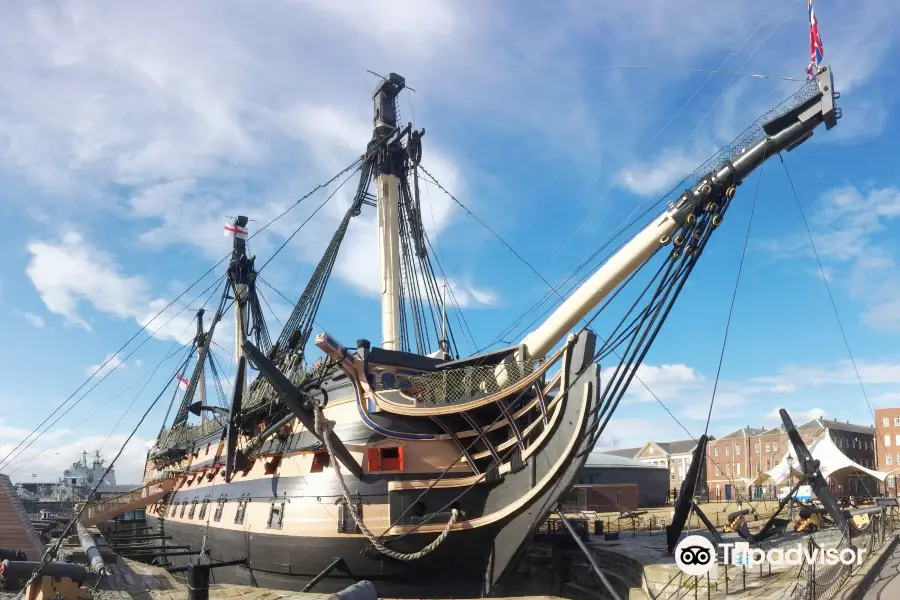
x=716, y=451
x=727, y=450
x=768, y=447
x=896, y=421
x=728, y=468
x=737, y=449
x=757, y=447
x=183, y=507
x=888, y=459
x=193, y=509
x=887, y=440
x=768, y=464
x=737, y=468
x=884, y=422
x=890, y=481
x=718, y=472
x=774, y=446
x=203, y=509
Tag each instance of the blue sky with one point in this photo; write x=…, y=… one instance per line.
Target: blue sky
x=129, y=133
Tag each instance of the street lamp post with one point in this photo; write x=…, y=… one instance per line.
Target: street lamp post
x=791, y=500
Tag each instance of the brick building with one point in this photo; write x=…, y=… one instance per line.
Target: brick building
x=887, y=445
x=735, y=461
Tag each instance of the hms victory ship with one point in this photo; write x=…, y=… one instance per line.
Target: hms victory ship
x=399, y=461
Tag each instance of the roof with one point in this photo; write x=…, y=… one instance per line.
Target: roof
x=821, y=423
x=623, y=452
x=682, y=446
x=611, y=461
x=743, y=432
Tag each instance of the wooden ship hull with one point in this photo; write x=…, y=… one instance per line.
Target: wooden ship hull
x=424, y=474
x=286, y=513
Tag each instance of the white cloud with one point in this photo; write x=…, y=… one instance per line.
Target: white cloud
x=851, y=229
x=784, y=388
x=798, y=417
x=71, y=273
x=111, y=363
x=33, y=319
x=839, y=373
x=659, y=175
x=667, y=382
x=49, y=465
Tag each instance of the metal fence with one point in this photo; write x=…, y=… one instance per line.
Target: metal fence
x=816, y=581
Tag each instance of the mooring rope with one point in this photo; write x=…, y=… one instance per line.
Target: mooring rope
x=323, y=428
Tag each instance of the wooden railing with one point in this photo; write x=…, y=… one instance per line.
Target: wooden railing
x=109, y=508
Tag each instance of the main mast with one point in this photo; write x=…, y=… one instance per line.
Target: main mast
x=388, y=169
x=239, y=274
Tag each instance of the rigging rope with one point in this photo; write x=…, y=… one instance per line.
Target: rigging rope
x=657, y=134
x=830, y=296
x=737, y=282
x=5, y=463
x=323, y=428
x=169, y=305
x=77, y=428
x=51, y=553
x=298, y=326
x=134, y=400
x=433, y=180
x=663, y=67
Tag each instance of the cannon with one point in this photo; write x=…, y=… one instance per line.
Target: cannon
x=90, y=550
x=810, y=519
x=55, y=579
x=737, y=523
x=13, y=554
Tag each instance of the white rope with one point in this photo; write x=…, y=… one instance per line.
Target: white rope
x=323, y=428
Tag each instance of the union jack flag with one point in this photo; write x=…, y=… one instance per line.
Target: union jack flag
x=815, y=43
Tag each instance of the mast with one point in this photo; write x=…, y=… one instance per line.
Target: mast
x=388, y=169
x=201, y=384
x=785, y=131
x=239, y=273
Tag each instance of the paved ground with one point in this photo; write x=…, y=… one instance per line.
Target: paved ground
x=887, y=585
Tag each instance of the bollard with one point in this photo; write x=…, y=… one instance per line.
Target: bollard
x=198, y=582
x=363, y=590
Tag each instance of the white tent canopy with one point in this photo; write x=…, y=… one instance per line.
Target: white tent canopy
x=831, y=462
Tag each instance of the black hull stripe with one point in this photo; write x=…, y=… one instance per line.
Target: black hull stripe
x=288, y=562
